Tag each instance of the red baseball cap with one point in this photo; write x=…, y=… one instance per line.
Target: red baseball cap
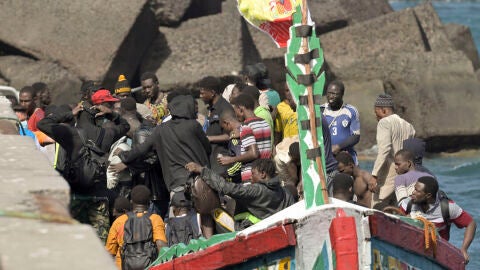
x=103, y=95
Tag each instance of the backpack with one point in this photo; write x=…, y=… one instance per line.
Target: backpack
x=443, y=206
x=90, y=166
x=181, y=230
x=138, y=250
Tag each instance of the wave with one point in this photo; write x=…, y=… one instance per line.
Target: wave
x=464, y=169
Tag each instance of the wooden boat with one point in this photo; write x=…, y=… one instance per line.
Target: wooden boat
x=319, y=232
x=337, y=235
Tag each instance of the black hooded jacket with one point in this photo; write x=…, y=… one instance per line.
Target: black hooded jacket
x=261, y=199
x=69, y=139
x=177, y=142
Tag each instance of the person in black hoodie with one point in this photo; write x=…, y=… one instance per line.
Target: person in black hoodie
x=176, y=142
x=90, y=205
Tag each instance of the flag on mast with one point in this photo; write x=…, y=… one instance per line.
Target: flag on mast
x=273, y=17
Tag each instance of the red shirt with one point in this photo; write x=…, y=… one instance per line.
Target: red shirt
x=36, y=116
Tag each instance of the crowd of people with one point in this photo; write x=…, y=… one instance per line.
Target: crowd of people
x=241, y=157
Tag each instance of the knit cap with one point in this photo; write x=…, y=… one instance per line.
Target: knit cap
x=384, y=100
x=122, y=85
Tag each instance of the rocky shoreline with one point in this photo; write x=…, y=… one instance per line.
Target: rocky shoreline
x=430, y=68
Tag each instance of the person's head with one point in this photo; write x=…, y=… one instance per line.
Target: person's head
x=122, y=87
x=149, y=82
x=181, y=104
x=262, y=170
x=210, y=88
x=417, y=147
x=343, y=187
x=294, y=153
x=228, y=120
x=104, y=97
x=26, y=99
x=121, y=206
x=346, y=164
x=140, y=195
x=335, y=92
x=383, y=106
x=42, y=94
x=403, y=160
x=236, y=90
x=257, y=75
x=178, y=92
x=425, y=190
x=20, y=111
x=263, y=82
x=180, y=203
x=253, y=92
x=88, y=88
x=251, y=74
x=243, y=105
x=128, y=105
x=289, y=97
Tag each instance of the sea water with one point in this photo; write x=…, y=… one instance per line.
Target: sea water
x=459, y=12
x=459, y=173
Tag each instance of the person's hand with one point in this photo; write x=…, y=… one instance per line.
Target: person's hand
x=103, y=110
x=372, y=184
x=466, y=256
x=235, y=134
x=117, y=168
x=193, y=167
x=117, y=151
x=225, y=160
x=336, y=149
x=77, y=109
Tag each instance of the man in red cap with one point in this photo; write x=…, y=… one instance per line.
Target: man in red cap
x=102, y=101
x=89, y=205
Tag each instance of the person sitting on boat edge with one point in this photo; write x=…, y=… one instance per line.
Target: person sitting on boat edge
x=407, y=174
x=426, y=203
x=346, y=165
x=343, y=187
x=417, y=147
x=254, y=202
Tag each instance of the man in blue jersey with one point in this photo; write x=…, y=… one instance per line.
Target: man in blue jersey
x=343, y=120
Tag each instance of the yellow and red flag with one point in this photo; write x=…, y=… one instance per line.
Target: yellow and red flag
x=271, y=16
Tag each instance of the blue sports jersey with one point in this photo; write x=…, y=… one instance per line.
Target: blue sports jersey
x=342, y=124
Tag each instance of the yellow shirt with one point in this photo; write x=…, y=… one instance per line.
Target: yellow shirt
x=286, y=120
x=158, y=110
x=115, y=235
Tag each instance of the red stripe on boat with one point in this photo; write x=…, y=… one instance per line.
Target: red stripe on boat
x=235, y=251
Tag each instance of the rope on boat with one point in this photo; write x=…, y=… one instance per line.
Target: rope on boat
x=430, y=233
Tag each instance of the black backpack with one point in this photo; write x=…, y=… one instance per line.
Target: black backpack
x=181, y=230
x=138, y=250
x=90, y=166
x=443, y=206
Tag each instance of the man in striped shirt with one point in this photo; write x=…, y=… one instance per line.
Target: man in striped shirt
x=392, y=130
x=254, y=135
